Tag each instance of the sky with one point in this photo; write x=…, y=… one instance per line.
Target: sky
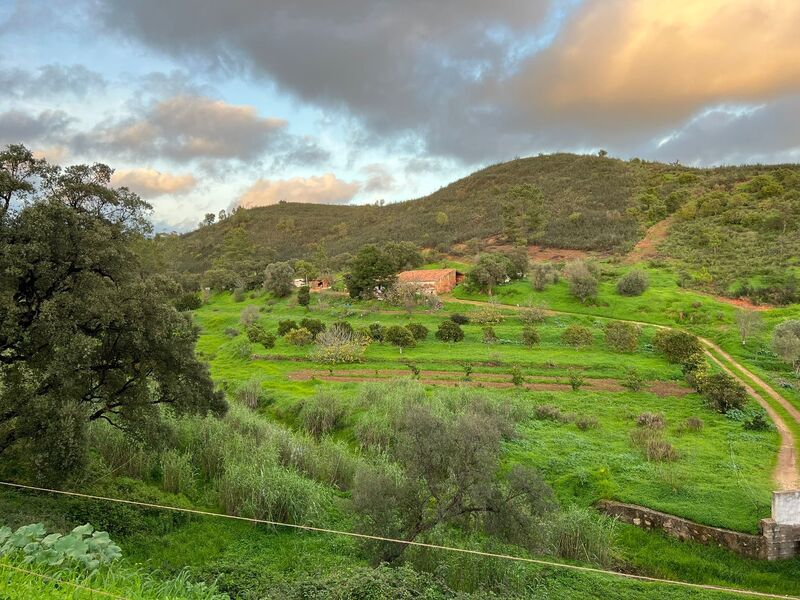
x=202, y=105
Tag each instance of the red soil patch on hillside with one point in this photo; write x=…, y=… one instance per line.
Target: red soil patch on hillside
x=647, y=247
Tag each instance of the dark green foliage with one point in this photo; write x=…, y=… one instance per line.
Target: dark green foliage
x=621, y=336
x=459, y=319
x=530, y=337
x=370, y=269
x=315, y=326
x=723, y=392
x=490, y=271
x=418, y=330
x=542, y=275
x=403, y=255
x=304, y=295
x=449, y=332
x=399, y=336
x=299, y=337
x=286, y=326
x=575, y=378
x=190, y=301
x=258, y=335
x=376, y=332
x=577, y=336
x=279, y=278
x=677, y=346
x=633, y=283
x=517, y=376
x=84, y=333
x=489, y=335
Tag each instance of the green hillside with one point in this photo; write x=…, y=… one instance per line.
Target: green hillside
x=580, y=202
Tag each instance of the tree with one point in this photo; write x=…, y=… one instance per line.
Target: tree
x=84, y=335
x=371, y=269
x=442, y=219
x=448, y=472
x=418, y=330
x=315, y=326
x=279, y=279
x=723, y=392
x=18, y=168
x=304, y=296
x=542, y=275
x=489, y=271
x=449, y=332
x=677, y=346
x=208, y=219
x=749, y=323
x=786, y=343
x=522, y=211
x=582, y=283
x=399, y=336
x=338, y=346
x=404, y=255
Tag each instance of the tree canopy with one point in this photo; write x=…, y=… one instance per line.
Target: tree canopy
x=84, y=335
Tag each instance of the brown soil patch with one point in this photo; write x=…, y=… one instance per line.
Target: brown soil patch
x=647, y=247
x=489, y=380
x=745, y=303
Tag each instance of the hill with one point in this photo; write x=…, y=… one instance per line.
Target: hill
x=576, y=201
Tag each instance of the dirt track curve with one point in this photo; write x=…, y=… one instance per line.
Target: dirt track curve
x=785, y=475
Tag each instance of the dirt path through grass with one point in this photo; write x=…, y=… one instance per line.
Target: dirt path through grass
x=786, y=474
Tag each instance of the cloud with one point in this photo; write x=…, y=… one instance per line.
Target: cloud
x=148, y=182
x=50, y=80
x=17, y=126
x=379, y=178
x=183, y=128
x=302, y=151
x=322, y=189
x=484, y=81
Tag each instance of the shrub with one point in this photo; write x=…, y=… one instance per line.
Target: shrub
x=621, y=336
x=530, y=337
x=488, y=315
x=723, y=392
x=315, y=326
x=548, y=412
x=249, y=315
x=376, y=331
x=650, y=420
x=577, y=336
x=751, y=418
x=459, y=319
x=467, y=368
x=786, y=343
x=239, y=295
x=177, y=472
x=542, y=274
x=337, y=346
x=532, y=315
x=419, y=331
x=582, y=283
x=258, y=335
x=449, y=331
x=489, y=335
x=578, y=533
x=299, y=337
x=399, y=336
x=242, y=349
x=660, y=450
x=633, y=283
x=304, y=295
x=343, y=326
x=231, y=332
x=286, y=326
x=575, y=379
x=517, y=377
x=632, y=380
x=584, y=423
x=321, y=414
x=190, y=301
x=677, y=346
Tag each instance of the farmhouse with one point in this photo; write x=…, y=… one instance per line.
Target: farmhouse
x=316, y=285
x=439, y=281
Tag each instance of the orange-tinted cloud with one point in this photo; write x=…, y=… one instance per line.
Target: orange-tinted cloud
x=148, y=182
x=654, y=61
x=321, y=189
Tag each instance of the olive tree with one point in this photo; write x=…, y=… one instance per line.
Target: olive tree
x=786, y=343
x=279, y=279
x=749, y=323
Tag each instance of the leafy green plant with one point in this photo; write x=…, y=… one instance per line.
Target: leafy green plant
x=577, y=336
x=530, y=337
x=517, y=376
x=575, y=379
x=449, y=331
x=82, y=545
x=632, y=380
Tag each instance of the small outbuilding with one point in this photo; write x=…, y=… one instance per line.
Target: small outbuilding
x=430, y=281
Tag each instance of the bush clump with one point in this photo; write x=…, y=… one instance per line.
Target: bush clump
x=650, y=420
x=299, y=337
x=286, y=326
x=530, y=337
x=321, y=414
x=489, y=335
x=723, y=392
x=621, y=336
x=449, y=331
x=459, y=319
x=399, y=336
x=488, y=315
x=315, y=326
x=677, y=346
x=632, y=380
x=542, y=274
x=258, y=335
x=337, y=346
x=376, y=331
x=418, y=330
x=585, y=423
x=633, y=283
x=582, y=282
x=577, y=336
x=532, y=315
